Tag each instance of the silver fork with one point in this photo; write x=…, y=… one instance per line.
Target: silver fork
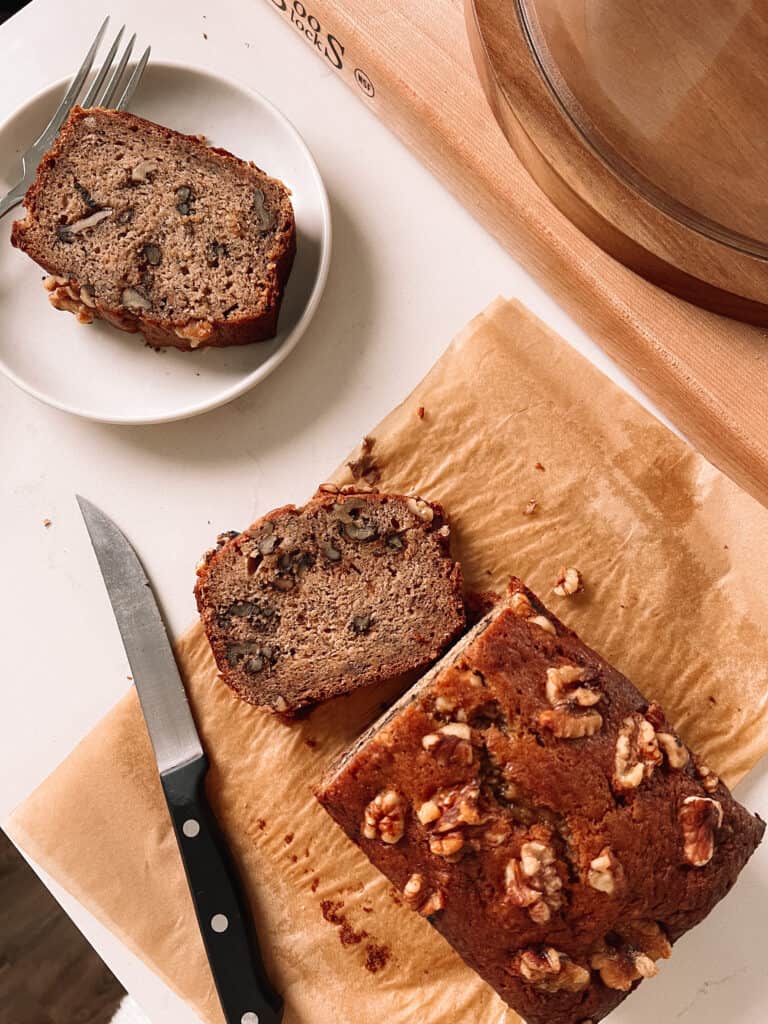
x=101, y=93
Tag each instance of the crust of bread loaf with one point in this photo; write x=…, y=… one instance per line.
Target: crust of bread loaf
x=567, y=791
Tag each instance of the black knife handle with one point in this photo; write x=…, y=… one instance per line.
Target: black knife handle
x=245, y=992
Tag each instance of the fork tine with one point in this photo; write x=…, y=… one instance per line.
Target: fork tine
x=111, y=88
x=133, y=81
x=93, y=91
x=74, y=88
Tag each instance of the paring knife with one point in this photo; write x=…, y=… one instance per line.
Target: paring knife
x=244, y=990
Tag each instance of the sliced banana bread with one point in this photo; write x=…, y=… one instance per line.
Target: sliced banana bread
x=156, y=232
x=352, y=589
x=543, y=815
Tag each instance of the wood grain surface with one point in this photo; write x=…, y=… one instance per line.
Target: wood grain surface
x=602, y=204
x=653, y=238
x=49, y=974
x=412, y=64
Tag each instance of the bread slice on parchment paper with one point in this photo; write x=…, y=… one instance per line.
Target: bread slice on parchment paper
x=156, y=232
x=357, y=587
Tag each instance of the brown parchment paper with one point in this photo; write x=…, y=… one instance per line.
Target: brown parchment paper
x=674, y=558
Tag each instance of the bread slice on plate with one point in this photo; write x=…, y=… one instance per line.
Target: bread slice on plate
x=355, y=588
x=157, y=232
x=544, y=816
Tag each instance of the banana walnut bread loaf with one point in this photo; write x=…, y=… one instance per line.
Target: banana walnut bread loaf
x=156, y=232
x=545, y=817
x=355, y=588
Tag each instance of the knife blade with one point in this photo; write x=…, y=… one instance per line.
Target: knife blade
x=244, y=990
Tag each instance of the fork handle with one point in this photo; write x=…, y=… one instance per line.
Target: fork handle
x=13, y=198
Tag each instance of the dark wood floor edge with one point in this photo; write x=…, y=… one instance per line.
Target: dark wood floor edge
x=49, y=972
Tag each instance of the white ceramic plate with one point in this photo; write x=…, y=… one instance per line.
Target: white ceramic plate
x=104, y=374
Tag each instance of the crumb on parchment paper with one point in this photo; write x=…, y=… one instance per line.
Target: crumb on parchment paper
x=364, y=467
x=569, y=582
x=332, y=912
x=377, y=955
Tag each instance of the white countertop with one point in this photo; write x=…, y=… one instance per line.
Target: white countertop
x=409, y=268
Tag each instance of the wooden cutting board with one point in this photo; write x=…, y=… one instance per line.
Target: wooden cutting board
x=412, y=64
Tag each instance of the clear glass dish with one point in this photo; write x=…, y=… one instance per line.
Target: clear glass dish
x=672, y=97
